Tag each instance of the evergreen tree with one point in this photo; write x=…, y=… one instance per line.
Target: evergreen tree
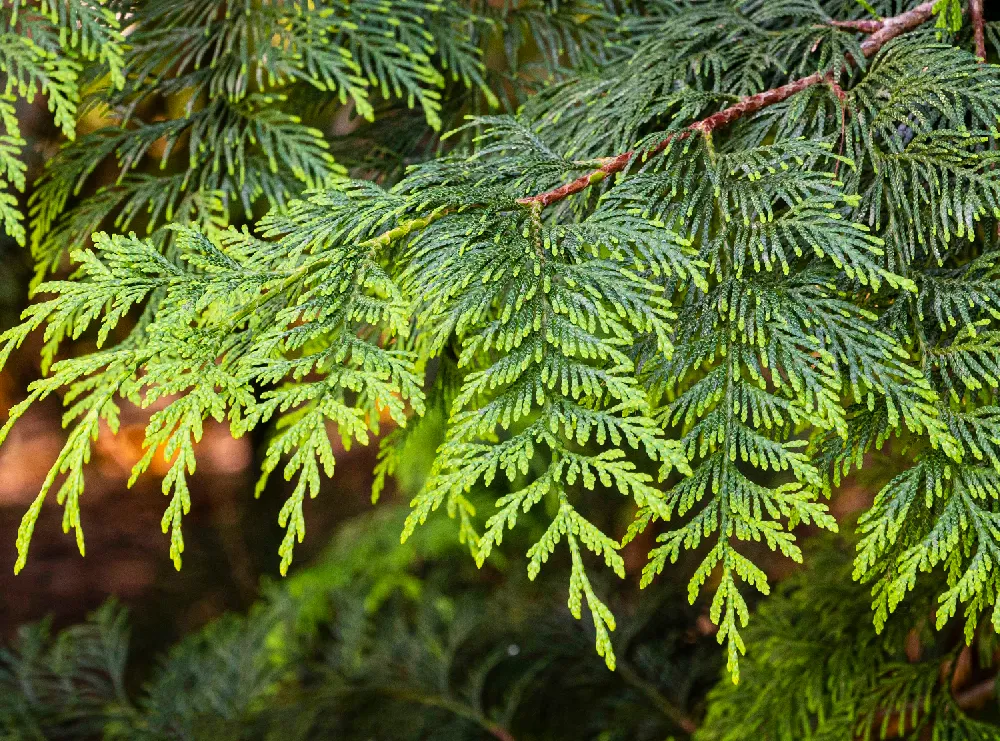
x=725, y=254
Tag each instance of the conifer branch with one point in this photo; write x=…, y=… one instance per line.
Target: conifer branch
x=721, y=314
x=897, y=722
x=888, y=29
x=374, y=244
x=896, y=26
x=452, y=706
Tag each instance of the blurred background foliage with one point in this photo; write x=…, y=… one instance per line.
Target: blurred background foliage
x=373, y=641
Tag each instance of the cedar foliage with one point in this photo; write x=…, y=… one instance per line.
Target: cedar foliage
x=727, y=252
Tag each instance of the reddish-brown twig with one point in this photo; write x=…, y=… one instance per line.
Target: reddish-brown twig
x=976, y=14
x=889, y=29
x=866, y=26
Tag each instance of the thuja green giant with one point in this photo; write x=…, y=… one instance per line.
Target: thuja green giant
x=696, y=279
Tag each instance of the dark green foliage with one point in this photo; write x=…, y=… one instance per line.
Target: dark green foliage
x=214, y=114
x=61, y=686
x=396, y=643
x=214, y=109
x=59, y=49
x=376, y=641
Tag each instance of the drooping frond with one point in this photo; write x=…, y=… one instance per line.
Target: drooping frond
x=303, y=321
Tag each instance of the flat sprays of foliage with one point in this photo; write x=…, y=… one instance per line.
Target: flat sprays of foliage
x=698, y=278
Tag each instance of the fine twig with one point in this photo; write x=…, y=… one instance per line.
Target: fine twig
x=683, y=721
x=976, y=14
x=864, y=26
x=888, y=29
x=452, y=706
x=974, y=697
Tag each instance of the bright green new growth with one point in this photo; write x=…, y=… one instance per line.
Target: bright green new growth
x=718, y=332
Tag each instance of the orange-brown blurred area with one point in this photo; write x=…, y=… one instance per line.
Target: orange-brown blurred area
x=231, y=539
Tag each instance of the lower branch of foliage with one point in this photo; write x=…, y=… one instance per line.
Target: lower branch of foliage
x=886, y=30
x=966, y=698
x=648, y=689
x=452, y=706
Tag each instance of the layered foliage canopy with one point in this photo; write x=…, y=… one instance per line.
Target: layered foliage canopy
x=844, y=678
x=728, y=251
